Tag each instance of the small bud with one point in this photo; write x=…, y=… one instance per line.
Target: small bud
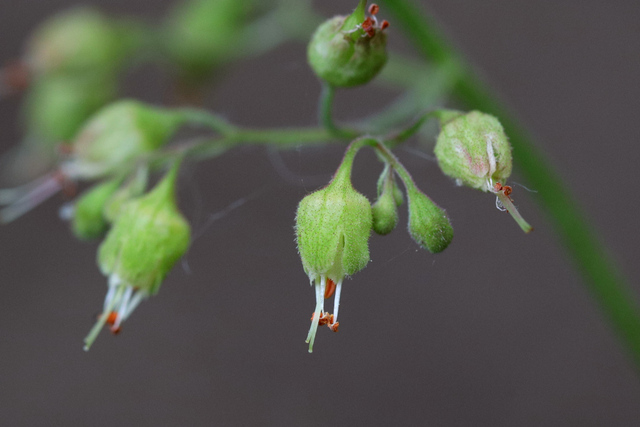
x=132, y=189
x=349, y=50
x=117, y=135
x=333, y=227
x=146, y=240
x=202, y=34
x=78, y=40
x=429, y=225
x=58, y=105
x=385, y=209
x=88, y=221
x=473, y=149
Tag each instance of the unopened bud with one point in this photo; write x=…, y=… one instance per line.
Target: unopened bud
x=429, y=225
x=88, y=221
x=348, y=50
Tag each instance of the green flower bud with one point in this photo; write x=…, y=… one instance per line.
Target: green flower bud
x=333, y=227
x=429, y=225
x=134, y=188
x=88, y=221
x=202, y=34
x=385, y=209
x=473, y=149
x=349, y=50
x=78, y=40
x=147, y=239
x=117, y=135
x=58, y=105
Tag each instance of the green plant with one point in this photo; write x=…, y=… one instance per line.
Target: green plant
x=428, y=224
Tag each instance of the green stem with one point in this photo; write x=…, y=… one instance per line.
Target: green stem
x=604, y=280
x=325, y=110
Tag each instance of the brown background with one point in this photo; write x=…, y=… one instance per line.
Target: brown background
x=496, y=331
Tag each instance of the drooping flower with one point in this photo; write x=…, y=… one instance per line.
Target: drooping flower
x=147, y=238
x=332, y=227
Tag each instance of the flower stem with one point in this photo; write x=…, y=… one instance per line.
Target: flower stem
x=603, y=278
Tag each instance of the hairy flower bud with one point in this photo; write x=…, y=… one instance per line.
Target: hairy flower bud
x=149, y=236
x=348, y=50
x=88, y=221
x=333, y=227
x=385, y=209
x=473, y=149
x=117, y=135
x=429, y=225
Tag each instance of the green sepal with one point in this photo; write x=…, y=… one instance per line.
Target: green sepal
x=149, y=236
x=428, y=225
x=132, y=189
x=333, y=227
x=88, y=221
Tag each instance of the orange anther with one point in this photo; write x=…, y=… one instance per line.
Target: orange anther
x=507, y=190
x=374, y=9
x=330, y=288
x=334, y=326
x=112, y=317
x=384, y=24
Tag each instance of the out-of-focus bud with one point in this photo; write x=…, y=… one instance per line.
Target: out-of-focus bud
x=473, y=149
x=333, y=227
x=119, y=134
x=78, y=40
x=149, y=236
x=201, y=34
x=349, y=50
x=58, y=105
x=429, y=225
x=132, y=189
x=88, y=220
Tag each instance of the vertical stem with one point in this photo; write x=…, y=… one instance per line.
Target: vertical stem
x=603, y=279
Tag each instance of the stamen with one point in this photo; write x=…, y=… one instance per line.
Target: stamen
x=93, y=334
x=374, y=9
x=39, y=192
x=320, y=288
x=336, y=301
x=135, y=301
x=384, y=25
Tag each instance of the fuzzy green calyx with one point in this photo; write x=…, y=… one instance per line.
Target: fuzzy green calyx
x=149, y=236
x=348, y=51
x=79, y=40
x=385, y=209
x=333, y=227
x=473, y=149
x=88, y=221
x=118, y=134
x=429, y=225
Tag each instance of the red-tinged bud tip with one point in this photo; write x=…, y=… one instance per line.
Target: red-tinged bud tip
x=330, y=289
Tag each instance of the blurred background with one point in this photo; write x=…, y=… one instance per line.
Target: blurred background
x=498, y=330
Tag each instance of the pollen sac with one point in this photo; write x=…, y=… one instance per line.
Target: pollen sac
x=117, y=135
x=333, y=227
x=429, y=225
x=473, y=149
x=88, y=220
x=79, y=40
x=349, y=50
x=149, y=236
